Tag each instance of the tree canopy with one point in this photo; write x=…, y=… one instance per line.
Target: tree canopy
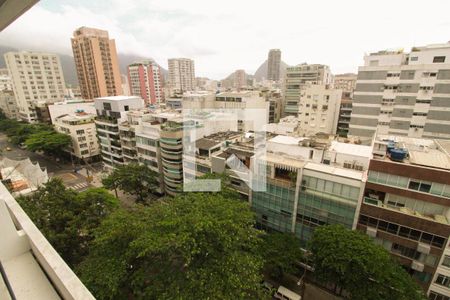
x=350, y=260
x=51, y=142
x=133, y=179
x=194, y=246
x=281, y=251
x=66, y=218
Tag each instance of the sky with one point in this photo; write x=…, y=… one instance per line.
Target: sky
x=222, y=36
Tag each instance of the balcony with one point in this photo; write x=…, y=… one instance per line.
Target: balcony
x=32, y=267
x=105, y=120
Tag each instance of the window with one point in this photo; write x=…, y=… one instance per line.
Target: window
x=419, y=186
x=81, y=131
x=437, y=296
x=438, y=59
x=107, y=106
x=126, y=108
x=443, y=280
x=83, y=145
x=414, y=58
x=446, y=261
x=84, y=152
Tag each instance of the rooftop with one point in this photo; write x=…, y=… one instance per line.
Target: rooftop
x=351, y=149
x=424, y=152
x=118, y=98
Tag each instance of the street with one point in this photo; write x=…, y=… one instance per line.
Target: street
x=64, y=171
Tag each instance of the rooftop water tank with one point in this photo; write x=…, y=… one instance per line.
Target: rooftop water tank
x=398, y=154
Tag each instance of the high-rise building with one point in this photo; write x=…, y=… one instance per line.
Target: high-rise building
x=37, y=80
x=296, y=78
x=96, y=63
x=406, y=208
x=240, y=79
x=181, y=75
x=145, y=80
x=112, y=111
x=5, y=80
x=8, y=104
x=273, y=64
x=402, y=93
x=318, y=109
x=346, y=83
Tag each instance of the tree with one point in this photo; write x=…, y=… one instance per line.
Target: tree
x=193, y=246
x=281, y=251
x=351, y=261
x=51, y=142
x=133, y=179
x=67, y=219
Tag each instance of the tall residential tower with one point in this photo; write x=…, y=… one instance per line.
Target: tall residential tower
x=96, y=62
x=145, y=80
x=273, y=64
x=400, y=93
x=181, y=75
x=37, y=81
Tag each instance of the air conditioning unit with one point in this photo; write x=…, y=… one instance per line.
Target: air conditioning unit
x=418, y=266
x=423, y=248
x=372, y=232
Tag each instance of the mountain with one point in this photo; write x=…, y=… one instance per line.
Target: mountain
x=261, y=72
x=68, y=64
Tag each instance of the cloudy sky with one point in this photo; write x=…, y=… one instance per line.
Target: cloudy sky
x=222, y=36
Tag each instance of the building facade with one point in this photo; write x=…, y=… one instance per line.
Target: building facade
x=37, y=80
x=8, y=104
x=181, y=75
x=111, y=111
x=5, y=80
x=406, y=207
x=402, y=93
x=318, y=109
x=96, y=63
x=273, y=64
x=145, y=80
x=296, y=78
x=80, y=126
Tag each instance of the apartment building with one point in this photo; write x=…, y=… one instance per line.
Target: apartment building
x=244, y=102
x=8, y=104
x=296, y=78
x=68, y=107
x=111, y=111
x=275, y=99
x=145, y=80
x=401, y=93
x=346, y=83
x=37, y=80
x=309, y=182
x=239, y=79
x=406, y=207
x=181, y=75
x=80, y=126
x=96, y=62
x=273, y=64
x=318, y=109
x=5, y=80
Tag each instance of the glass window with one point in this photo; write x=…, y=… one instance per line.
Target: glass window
x=404, y=231
x=414, y=185
x=446, y=261
x=443, y=280
x=426, y=238
x=437, y=188
x=438, y=241
x=392, y=228
x=382, y=177
x=425, y=187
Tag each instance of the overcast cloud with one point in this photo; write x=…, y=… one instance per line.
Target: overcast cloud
x=222, y=36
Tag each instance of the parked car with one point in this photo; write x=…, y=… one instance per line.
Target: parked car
x=286, y=294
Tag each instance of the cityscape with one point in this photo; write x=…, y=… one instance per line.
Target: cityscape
x=122, y=178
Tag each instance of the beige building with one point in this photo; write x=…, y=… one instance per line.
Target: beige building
x=5, y=80
x=8, y=104
x=273, y=64
x=318, y=109
x=37, y=81
x=296, y=78
x=240, y=79
x=96, y=62
x=346, y=83
x=181, y=75
x=81, y=128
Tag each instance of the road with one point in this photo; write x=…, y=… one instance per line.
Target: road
x=62, y=170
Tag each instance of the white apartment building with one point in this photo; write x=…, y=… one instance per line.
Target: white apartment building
x=37, y=80
x=80, y=126
x=8, y=104
x=401, y=93
x=5, y=80
x=69, y=107
x=296, y=77
x=111, y=111
x=318, y=109
x=181, y=75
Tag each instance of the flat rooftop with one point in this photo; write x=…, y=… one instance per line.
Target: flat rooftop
x=118, y=98
x=423, y=152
